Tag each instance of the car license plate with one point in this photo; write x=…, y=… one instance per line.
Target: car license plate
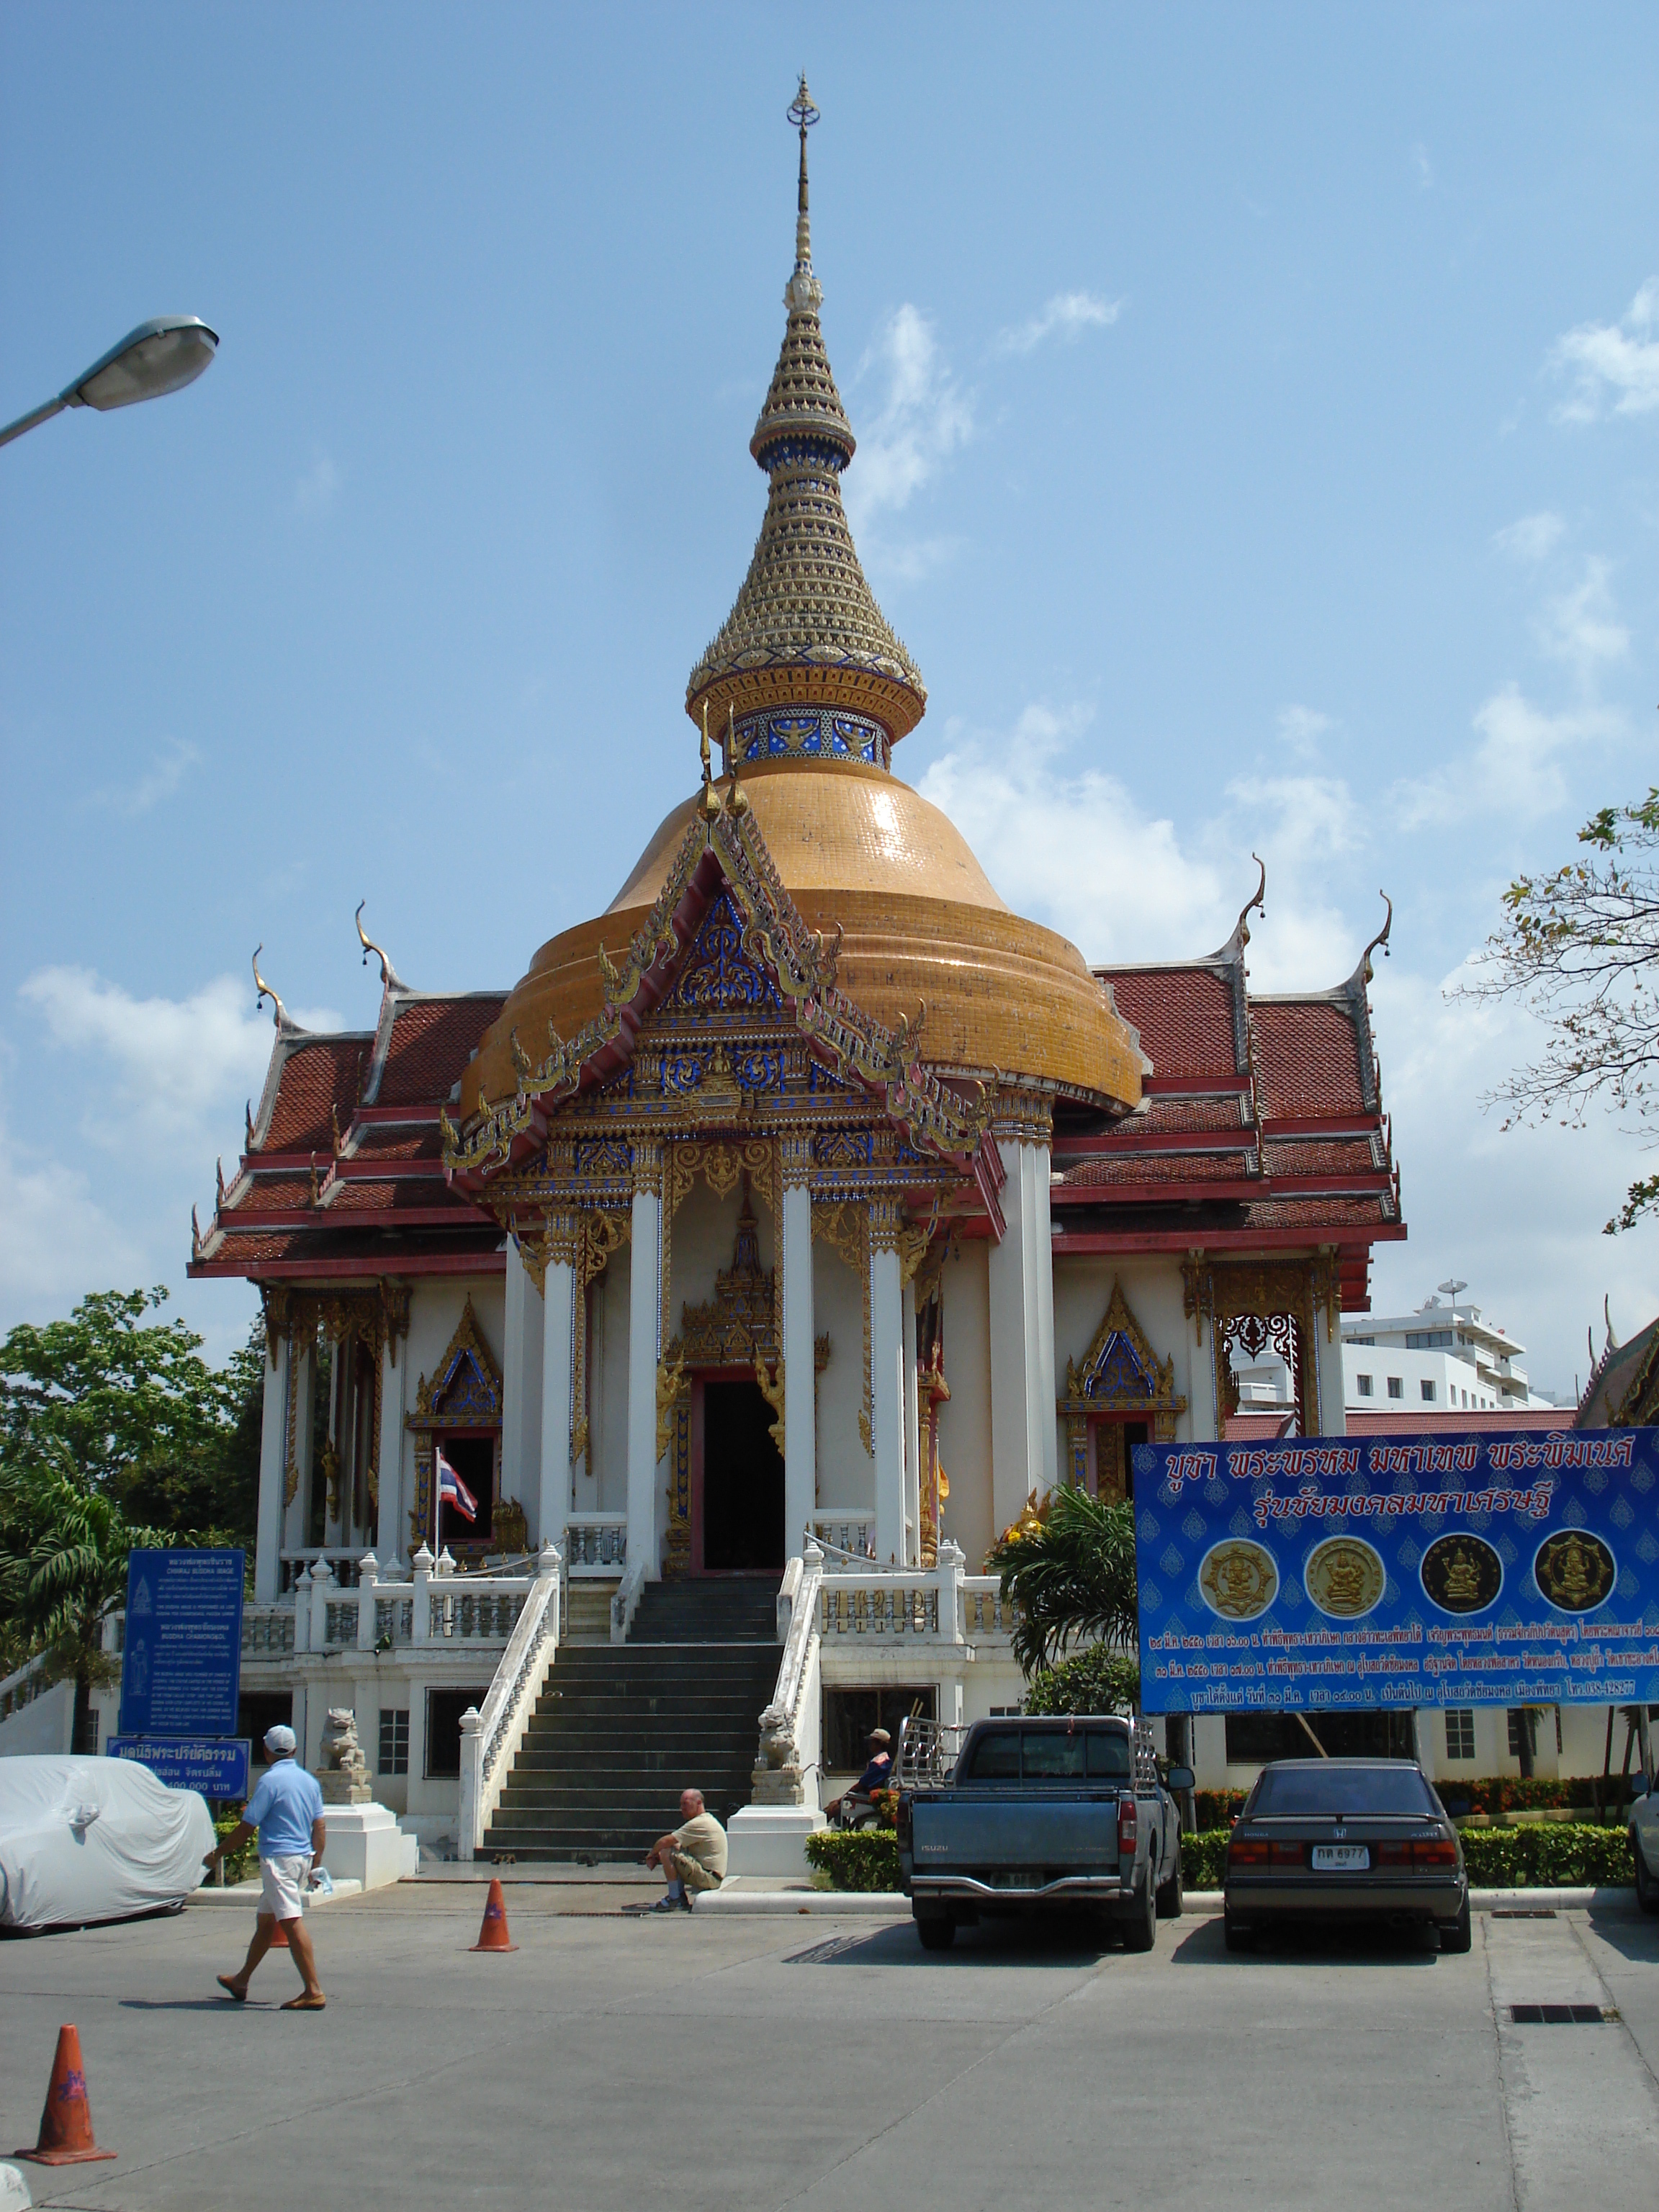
x=1342, y=1858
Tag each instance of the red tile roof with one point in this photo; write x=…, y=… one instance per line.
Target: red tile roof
x=1184, y=1015
x=316, y=1074
x=1307, y=1059
x=432, y=1041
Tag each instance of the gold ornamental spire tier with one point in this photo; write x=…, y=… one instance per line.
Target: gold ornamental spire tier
x=807, y=665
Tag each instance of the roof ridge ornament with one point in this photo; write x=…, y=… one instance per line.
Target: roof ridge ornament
x=281, y=1016
x=1362, y=974
x=1257, y=903
x=389, y=979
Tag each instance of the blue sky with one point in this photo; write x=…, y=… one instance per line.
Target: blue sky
x=1257, y=413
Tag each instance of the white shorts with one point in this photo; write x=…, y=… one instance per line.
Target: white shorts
x=284, y=1881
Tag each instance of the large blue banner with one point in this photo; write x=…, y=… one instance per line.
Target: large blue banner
x=1369, y=1572
x=182, y=1667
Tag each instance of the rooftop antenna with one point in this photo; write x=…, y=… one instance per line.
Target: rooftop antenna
x=1453, y=1284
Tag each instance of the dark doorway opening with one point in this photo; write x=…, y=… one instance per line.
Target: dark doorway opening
x=742, y=1481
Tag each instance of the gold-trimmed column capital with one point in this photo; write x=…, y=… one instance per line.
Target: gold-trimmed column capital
x=887, y=1224
x=795, y=1160
x=646, y=1165
x=563, y=1237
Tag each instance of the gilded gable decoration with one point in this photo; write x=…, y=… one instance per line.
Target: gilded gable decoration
x=1119, y=1374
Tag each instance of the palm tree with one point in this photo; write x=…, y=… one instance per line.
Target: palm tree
x=1069, y=1566
x=63, y=1559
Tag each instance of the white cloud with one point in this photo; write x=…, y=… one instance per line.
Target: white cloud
x=1422, y=167
x=1613, y=362
x=924, y=418
x=1518, y=768
x=314, y=493
x=1300, y=729
x=1578, y=626
x=1067, y=315
x=1530, y=538
x=1068, y=843
x=163, y=1065
x=165, y=774
x=56, y=1241
x=1517, y=1212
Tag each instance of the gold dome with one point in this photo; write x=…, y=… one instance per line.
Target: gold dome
x=856, y=848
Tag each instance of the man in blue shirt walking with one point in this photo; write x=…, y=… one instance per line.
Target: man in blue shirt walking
x=286, y=1813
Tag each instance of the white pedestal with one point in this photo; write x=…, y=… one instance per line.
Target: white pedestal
x=366, y=1844
x=770, y=1838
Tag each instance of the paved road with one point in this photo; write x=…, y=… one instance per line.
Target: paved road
x=818, y=2063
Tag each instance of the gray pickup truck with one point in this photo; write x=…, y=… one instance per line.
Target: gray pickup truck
x=1040, y=1816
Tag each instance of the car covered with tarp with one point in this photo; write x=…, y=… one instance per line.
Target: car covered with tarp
x=89, y=1839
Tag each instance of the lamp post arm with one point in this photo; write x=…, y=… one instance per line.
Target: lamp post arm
x=27, y=422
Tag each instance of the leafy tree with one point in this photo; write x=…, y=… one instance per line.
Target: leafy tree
x=113, y=1432
x=1579, y=946
x=1098, y=1680
x=1069, y=1566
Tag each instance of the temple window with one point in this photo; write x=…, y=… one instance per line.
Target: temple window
x=1460, y=1732
x=394, y=1740
x=444, y=1709
x=850, y=1716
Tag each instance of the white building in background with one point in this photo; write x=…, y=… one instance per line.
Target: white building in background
x=1437, y=1360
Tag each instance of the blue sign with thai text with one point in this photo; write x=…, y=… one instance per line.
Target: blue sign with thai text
x=217, y=1766
x=1343, y=1573
x=181, y=1668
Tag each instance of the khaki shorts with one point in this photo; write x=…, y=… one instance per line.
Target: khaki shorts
x=693, y=1873
x=284, y=1884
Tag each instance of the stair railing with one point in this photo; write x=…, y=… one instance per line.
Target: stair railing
x=488, y=1732
x=785, y=1752
x=625, y=1601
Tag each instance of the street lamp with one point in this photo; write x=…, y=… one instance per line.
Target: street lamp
x=158, y=357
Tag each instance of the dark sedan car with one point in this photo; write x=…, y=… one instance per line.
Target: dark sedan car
x=1344, y=1838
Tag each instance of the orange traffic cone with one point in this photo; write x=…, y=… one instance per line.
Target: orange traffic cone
x=66, y=2137
x=492, y=1935
x=279, y=1937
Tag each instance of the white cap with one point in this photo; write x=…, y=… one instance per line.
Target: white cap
x=280, y=1739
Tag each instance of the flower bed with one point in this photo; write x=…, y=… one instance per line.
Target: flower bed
x=867, y=1859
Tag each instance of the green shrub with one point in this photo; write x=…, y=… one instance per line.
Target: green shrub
x=1215, y=1807
x=1098, y=1680
x=867, y=1859
x=1509, y=1793
x=1551, y=1856
x=1203, y=1858
x=238, y=1864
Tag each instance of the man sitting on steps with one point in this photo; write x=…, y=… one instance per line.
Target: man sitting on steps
x=692, y=1856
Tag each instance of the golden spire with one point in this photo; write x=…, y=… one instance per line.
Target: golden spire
x=805, y=635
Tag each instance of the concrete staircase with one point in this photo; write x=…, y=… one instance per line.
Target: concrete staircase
x=620, y=1730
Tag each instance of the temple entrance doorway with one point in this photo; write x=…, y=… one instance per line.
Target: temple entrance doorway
x=1115, y=1467
x=737, y=1503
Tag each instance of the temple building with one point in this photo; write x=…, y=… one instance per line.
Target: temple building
x=731, y=1281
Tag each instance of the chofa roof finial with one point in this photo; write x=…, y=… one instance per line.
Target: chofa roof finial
x=389, y=979
x=1606, y=1316
x=1362, y=972
x=265, y=992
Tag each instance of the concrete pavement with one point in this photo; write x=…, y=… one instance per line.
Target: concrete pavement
x=737, y=2061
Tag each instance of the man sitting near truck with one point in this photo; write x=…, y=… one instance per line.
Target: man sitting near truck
x=876, y=1774
x=692, y=1857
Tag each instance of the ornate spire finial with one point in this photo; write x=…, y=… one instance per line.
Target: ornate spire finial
x=802, y=290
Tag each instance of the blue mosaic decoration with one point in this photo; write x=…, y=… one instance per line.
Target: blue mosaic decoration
x=718, y=978
x=783, y=733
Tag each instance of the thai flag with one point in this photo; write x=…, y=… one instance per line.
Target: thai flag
x=453, y=1491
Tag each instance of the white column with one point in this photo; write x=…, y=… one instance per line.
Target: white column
x=392, y=1529
x=799, y=1354
x=887, y=1379
x=1203, y=1423
x=1327, y=1366
x=522, y=1390
x=1024, y=1421
x=268, y=1527
x=644, y=1351
x=558, y=1305
x=912, y=1435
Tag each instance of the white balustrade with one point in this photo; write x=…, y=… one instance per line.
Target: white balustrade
x=295, y=1567
x=267, y=1631
x=851, y=1533
x=894, y=1603
x=595, y=1543
x=785, y=1725
x=625, y=1603
x=987, y=1617
x=31, y=1680
x=377, y=1612
x=489, y=1732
